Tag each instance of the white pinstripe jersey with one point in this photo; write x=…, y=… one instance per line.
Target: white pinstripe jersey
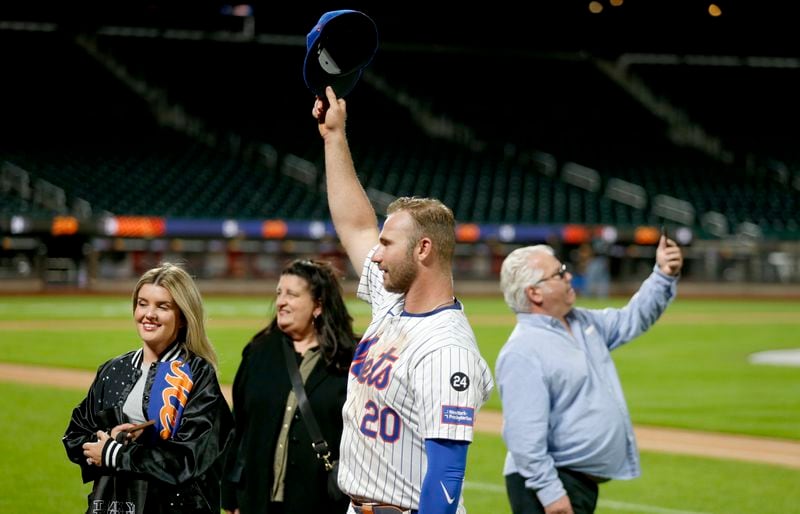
x=414, y=377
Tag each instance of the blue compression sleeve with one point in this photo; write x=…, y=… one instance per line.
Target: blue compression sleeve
x=441, y=488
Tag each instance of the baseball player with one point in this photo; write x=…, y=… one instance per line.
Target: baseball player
x=417, y=379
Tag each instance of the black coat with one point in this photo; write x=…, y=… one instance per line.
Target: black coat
x=260, y=390
x=177, y=475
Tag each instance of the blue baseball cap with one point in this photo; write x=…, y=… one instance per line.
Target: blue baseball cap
x=338, y=48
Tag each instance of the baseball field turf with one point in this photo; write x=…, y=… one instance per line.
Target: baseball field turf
x=691, y=371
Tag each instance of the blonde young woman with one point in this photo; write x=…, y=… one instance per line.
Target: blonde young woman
x=173, y=465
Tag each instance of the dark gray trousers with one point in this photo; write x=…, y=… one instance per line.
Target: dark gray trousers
x=581, y=489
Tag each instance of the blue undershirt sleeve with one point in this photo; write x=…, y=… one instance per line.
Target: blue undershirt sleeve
x=441, y=488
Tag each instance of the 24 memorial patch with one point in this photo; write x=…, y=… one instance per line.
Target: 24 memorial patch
x=459, y=381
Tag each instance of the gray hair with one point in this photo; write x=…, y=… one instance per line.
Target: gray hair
x=516, y=275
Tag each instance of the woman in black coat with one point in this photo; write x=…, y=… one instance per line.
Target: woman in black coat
x=173, y=466
x=272, y=467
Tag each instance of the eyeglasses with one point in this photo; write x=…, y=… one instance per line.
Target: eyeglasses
x=560, y=274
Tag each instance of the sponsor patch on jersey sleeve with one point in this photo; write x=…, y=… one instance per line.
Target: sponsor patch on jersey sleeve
x=454, y=415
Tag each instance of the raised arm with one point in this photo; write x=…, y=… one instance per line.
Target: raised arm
x=351, y=211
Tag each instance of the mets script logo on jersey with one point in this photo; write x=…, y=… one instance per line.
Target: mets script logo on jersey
x=169, y=395
x=372, y=370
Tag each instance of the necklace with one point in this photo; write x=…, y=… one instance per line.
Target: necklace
x=451, y=301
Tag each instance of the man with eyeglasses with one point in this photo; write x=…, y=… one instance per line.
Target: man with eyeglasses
x=565, y=420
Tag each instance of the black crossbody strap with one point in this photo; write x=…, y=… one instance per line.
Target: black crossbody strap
x=317, y=441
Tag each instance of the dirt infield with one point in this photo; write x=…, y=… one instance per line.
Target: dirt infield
x=668, y=440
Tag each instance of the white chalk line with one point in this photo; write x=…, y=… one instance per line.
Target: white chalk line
x=611, y=504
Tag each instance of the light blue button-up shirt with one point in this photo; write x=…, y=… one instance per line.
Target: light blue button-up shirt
x=563, y=404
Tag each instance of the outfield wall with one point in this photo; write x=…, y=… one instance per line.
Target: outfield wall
x=687, y=288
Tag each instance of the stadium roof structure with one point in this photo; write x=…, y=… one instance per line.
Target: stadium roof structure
x=742, y=27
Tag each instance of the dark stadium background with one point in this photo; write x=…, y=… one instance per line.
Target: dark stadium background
x=745, y=26
x=518, y=114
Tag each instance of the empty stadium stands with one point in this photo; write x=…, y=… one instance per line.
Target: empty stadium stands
x=171, y=127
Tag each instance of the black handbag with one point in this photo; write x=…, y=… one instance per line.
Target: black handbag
x=317, y=441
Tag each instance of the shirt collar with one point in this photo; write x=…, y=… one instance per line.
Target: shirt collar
x=172, y=353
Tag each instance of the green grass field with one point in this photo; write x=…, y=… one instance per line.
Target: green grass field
x=690, y=371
